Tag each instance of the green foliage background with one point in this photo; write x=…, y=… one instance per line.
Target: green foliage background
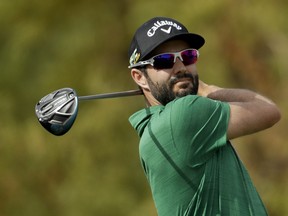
x=94, y=169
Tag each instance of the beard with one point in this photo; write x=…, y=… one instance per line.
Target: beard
x=164, y=93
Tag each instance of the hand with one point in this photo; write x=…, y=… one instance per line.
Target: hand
x=205, y=90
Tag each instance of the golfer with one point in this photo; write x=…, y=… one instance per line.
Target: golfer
x=186, y=128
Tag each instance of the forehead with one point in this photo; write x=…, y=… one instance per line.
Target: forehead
x=171, y=46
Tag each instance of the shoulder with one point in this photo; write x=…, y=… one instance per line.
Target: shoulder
x=194, y=107
x=197, y=102
x=139, y=119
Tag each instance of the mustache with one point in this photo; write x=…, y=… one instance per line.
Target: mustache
x=177, y=77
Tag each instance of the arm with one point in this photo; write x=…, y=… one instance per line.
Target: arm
x=249, y=111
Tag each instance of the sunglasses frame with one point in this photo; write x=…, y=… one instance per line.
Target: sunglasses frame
x=151, y=60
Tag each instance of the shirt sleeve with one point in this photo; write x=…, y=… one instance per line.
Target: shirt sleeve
x=199, y=127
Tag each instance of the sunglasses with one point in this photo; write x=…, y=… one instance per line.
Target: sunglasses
x=167, y=60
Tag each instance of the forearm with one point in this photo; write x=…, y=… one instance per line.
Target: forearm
x=230, y=95
x=249, y=111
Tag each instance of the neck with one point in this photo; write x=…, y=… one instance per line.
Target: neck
x=149, y=99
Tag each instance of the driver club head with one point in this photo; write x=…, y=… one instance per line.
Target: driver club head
x=57, y=111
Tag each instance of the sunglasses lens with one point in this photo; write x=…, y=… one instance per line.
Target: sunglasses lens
x=189, y=56
x=166, y=60
x=163, y=61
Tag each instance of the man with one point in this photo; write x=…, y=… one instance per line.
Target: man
x=185, y=130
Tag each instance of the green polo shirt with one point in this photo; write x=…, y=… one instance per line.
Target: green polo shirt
x=191, y=167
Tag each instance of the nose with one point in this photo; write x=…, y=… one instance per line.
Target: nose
x=178, y=67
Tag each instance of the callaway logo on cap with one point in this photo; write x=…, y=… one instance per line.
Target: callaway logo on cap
x=157, y=31
x=163, y=25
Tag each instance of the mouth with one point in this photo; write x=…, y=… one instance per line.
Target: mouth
x=187, y=79
x=185, y=84
x=183, y=81
x=182, y=77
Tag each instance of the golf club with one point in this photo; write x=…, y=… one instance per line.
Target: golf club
x=57, y=111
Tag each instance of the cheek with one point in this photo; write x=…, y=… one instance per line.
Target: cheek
x=159, y=76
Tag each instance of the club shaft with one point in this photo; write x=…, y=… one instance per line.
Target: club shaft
x=111, y=95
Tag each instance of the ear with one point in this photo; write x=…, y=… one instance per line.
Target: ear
x=139, y=78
